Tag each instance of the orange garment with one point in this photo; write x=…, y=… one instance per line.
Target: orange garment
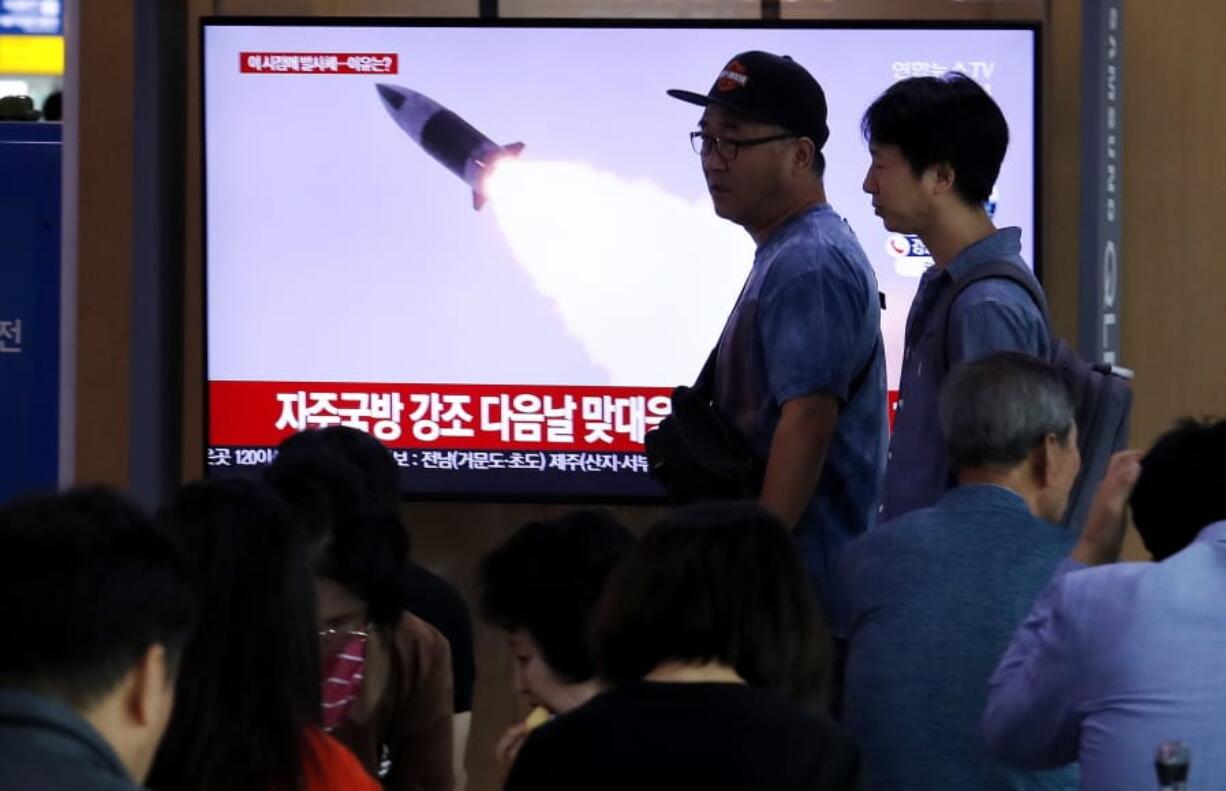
x=331, y=767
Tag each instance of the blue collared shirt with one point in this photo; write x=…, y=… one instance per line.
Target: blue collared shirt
x=933, y=599
x=992, y=315
x=1113, y=661
x=807, y=322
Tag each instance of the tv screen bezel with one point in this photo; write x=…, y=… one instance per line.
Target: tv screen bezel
x=1035, y=27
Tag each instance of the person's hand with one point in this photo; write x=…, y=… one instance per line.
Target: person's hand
x=508, y=746
x=1102, y=537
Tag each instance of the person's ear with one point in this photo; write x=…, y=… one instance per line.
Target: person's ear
x=1043, y=461
x=149, y=689
x=803, y=155
x=943, y=177
x=1053, y=460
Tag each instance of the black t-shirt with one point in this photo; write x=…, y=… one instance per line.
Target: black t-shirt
x=438, y=603
x=687, y=735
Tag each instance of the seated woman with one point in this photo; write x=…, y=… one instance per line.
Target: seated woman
x=539, y=588
x=247, y=700
x=708, y=637
x=387, y=689
x=423, y=593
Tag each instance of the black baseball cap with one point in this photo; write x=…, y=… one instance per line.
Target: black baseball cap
x=770, y=88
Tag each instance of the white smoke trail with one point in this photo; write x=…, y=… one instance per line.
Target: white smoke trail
x=643, y=279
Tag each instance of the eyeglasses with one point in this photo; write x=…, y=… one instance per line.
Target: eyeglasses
x=330, y=633
x=729, y=147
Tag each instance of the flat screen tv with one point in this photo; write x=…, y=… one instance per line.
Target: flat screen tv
x=489, y=244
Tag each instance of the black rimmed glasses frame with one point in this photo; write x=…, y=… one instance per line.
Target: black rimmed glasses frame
x=728, y=147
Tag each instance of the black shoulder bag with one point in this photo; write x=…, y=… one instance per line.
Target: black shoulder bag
x=697, y=454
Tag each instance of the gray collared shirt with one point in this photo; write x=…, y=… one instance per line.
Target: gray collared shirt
x=46, y=745
x=990, y=316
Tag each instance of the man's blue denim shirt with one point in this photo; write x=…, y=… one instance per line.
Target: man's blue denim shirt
x=809, y=321
x=990, y=316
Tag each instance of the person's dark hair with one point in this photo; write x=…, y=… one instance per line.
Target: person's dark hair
x=358, y=543
x=378, y=473
x=1180, y=488
x=88, y=583
x=53, y=106
x=249, y=683
x=949, y=119
x=546, y=579
x=715, y=583
x=996, y=410
x=819, y=165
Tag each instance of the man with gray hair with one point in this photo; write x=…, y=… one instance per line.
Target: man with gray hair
x=934, y=596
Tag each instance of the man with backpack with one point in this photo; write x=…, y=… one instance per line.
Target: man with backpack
x=937, y=145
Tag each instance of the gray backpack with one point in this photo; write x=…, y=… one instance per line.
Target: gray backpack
x=1102, y=395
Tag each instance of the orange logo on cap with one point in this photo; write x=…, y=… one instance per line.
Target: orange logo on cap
x=732, y=77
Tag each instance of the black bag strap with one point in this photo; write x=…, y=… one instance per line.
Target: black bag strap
x=704, y=385
x=999, y=270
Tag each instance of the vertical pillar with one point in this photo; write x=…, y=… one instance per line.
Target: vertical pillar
x=157, y=219
x=97, y=254
x=1102, y=125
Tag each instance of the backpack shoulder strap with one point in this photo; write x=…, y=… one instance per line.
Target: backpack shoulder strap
x=994, y=270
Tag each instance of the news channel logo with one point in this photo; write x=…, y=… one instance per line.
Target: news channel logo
x=910, y=254
x=911, y=257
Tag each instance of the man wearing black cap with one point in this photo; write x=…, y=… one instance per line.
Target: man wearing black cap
x=799, y=367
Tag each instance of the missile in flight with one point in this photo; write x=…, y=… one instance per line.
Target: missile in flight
x=446, y=137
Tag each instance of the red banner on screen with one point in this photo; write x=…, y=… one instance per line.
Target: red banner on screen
x=487, y=417
x=318, y=63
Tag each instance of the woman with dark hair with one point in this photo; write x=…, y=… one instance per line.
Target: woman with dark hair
x=423, y=593
x=247, y=703
x=717, y=658
x=540, y=587
x=387, y=685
